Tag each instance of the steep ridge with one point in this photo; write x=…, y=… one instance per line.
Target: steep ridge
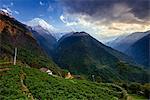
x=45, y=39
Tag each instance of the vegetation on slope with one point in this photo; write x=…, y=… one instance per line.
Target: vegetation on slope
x=10, y=84
x=42, y=86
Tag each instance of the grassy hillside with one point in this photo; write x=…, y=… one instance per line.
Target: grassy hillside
x=27, y=83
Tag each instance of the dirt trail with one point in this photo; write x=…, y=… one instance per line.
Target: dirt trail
x=24, y=88
x=6, y=64
x=22, y=76
x=129, y=98
x=4, y=69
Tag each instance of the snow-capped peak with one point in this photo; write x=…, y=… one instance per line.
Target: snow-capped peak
x=42, y=23
x=42, y=27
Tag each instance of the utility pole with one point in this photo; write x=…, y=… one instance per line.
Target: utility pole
x=15, y=57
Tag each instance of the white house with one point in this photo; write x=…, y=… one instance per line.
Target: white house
x=49, y=72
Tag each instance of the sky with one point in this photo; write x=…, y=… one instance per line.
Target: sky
x=103, y=19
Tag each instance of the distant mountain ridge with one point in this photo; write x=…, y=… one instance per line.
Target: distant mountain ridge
x=140, y=51
x=124, y=43
x=134, y=46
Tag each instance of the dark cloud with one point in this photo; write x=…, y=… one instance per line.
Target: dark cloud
x=140, y=8
x=103, y=8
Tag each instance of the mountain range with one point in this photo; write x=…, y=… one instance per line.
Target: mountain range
x=77, y=52
x=82, y=54
x=135, y=45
